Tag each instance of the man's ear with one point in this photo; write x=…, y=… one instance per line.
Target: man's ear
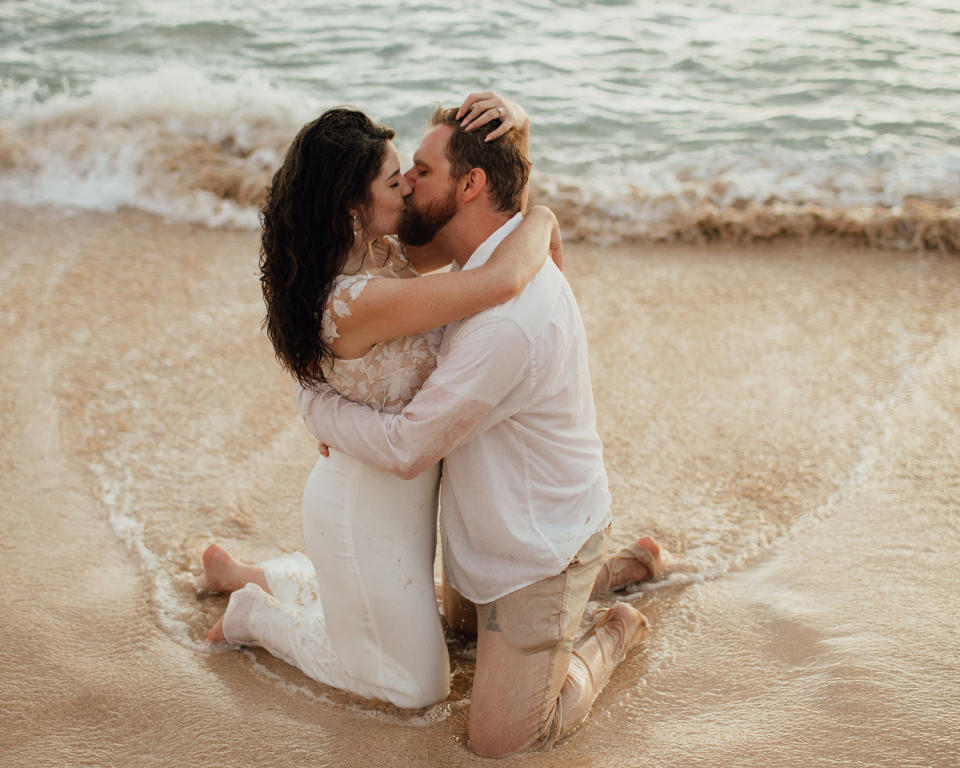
x=472, y=184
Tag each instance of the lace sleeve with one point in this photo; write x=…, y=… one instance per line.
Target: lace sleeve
x=392, y=370
x=345, y=291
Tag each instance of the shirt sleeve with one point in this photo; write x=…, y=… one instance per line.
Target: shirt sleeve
x=466, y=394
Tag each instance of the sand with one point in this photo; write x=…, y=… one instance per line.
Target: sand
x=785, y=414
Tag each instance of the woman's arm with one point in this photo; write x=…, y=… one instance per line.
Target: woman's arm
x=392, y=308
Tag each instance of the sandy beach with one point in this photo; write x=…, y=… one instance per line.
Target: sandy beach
x=787, y=415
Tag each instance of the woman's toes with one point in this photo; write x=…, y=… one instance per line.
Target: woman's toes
x=215, y=635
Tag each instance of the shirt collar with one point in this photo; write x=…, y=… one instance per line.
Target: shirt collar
x=488, y=246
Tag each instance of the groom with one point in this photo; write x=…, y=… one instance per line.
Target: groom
x=525, y=505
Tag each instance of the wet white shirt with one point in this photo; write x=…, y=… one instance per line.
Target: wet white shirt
x=510, y=407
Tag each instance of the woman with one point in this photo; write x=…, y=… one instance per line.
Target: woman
x=360, y=614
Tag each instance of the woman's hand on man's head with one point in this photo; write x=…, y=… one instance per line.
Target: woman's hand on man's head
x=478, y=109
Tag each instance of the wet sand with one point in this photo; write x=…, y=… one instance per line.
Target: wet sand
x=787, y=415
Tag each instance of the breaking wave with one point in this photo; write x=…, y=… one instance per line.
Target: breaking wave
x=178, y=144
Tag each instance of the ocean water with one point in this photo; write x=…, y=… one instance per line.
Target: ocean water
x=675, y=120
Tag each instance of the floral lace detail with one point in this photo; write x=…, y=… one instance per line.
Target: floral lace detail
x=345, y=289
x=389, y=375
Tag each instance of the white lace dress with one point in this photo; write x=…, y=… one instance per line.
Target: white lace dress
x=359, y=611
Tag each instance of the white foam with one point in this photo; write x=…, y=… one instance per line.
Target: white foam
x=116, y=489
x=129, y=141
x=110, y=145
x=874, y=442
x=683, y=182
x=435, y=714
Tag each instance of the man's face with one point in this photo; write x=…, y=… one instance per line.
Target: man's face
x=433, y=201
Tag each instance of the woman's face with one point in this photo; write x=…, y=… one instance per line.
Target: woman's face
x=387, y=191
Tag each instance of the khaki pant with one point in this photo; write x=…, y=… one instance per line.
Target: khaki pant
x=524, y=647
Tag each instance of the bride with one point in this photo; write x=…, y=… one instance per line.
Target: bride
x=359, y=611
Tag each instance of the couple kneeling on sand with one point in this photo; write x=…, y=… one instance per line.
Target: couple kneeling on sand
x=483, y=367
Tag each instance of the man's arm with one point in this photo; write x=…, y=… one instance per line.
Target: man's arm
x=461, y=398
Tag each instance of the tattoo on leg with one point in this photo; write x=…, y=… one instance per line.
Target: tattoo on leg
x=492, y=625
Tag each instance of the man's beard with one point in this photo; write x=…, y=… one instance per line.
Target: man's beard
x=418, y=227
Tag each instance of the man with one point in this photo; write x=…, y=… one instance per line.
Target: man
x=525, y=504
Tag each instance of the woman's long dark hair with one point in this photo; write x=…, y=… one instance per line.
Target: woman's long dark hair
x=308, y=231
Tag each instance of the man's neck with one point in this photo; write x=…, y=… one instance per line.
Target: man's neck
x=466, y=231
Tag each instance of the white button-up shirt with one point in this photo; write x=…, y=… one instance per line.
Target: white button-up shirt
x=511, y=408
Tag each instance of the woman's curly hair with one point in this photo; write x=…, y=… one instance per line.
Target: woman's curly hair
x=308, y=232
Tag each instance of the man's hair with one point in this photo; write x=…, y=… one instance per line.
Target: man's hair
x=504, y=160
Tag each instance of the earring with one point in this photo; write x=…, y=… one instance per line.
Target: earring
x=354, y=223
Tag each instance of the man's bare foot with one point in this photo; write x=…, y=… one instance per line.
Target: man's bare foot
x=215, y=635
x=645, y=560
x=221, y=573
x=621, y=629
x=664, y=562
x=667, y=562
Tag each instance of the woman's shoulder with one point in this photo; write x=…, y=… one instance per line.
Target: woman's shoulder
x=343, y=292
x=390, y=253
x=389, y=261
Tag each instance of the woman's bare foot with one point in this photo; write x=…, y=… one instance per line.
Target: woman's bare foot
x=646, y=560
x=215, y=635
x=221, y=573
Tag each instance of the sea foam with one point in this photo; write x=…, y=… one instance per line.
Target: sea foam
x=177, y=143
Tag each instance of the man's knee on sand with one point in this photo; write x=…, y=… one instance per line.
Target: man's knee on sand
x=498, y=731
x=524, y=649
x=520, y=672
